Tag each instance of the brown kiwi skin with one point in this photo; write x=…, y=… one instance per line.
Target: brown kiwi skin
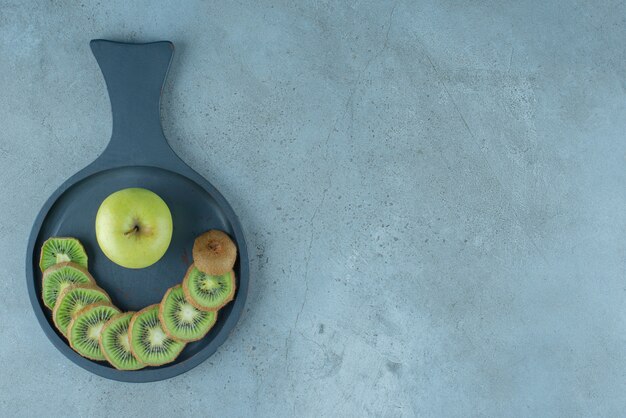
x=67, y=289
x=209, y=263
x=130, y=332
x=85, y=309
x=162, y=320
x=109, y=322
x=58, y=266
x=185, y=284
x=41, y=252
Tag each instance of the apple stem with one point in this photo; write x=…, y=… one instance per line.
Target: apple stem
x=132, y=231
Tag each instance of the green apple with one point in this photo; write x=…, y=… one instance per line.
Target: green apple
x=134, y=227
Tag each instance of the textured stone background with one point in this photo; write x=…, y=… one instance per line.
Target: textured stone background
x=433, y=194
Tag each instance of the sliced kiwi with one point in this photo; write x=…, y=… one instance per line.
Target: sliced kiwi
x=181, y=320
x=58, y=277
x=72, y=299
x=148, y=341
x=60, y=250
x=207, y=292
x=84, y=329
x=214, y=252
x=115, y=344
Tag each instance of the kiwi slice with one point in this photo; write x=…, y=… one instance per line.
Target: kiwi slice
x=148, y=341
x=181, y=320
x=115, y=344
x=214, y=252
x=59, y=250
x=58, y=277
x=84, y=329
x=72, y=299
x=207, y=292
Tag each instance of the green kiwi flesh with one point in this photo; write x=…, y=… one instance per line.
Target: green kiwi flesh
x=60, y=250
x=72, y=299
x=149, y=342
x=58, y=277
x=84, y=329
x=207, y=292
x=115, y=344
x=181, y=320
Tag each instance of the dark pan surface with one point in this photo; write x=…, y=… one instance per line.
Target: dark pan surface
x=196, y=206
x=193, y=212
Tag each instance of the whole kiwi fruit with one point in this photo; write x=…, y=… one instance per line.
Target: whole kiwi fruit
x=214, y=252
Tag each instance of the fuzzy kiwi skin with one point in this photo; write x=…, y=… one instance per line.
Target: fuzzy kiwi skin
x=104, y=353
x=162, y=318
x=211, y=264
x=41, y=252
x=59, y=266
x=189, y=298
x=130, y=333
x=65, y=291
x=79, y=313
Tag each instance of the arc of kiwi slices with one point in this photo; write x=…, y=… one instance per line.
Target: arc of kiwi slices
x=214, y=252
x=148, y=341
x=84, y=329
x=207, y=292
x=57, y=250
x=58, y=277
x=181, y=320
x=115, y=343
x=72, y=299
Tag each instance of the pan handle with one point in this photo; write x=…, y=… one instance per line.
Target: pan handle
x=135, y=75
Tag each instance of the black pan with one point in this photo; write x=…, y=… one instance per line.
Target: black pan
x=138, y=155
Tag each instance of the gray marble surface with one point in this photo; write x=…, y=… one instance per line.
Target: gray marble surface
x=433, y=195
